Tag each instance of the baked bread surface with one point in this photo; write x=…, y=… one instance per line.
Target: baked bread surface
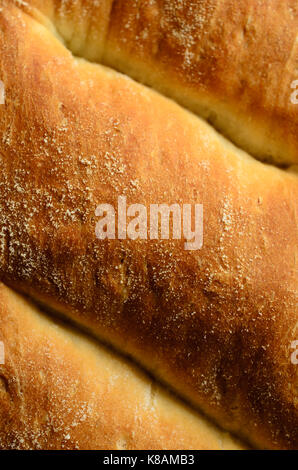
x=216, y=325
x=59, y=390
x=233, y=62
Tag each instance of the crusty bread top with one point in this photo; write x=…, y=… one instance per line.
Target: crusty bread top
x=232, y=62
x=59, y=390
x=216, y=324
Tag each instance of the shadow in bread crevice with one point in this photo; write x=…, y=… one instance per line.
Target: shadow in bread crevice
x=209, y=117
x=60, y=320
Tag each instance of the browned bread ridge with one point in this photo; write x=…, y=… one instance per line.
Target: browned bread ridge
x=234, y=62
x=59, y=390
x=215, y=324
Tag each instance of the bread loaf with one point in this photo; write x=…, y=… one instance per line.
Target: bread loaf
x=59, y=390
x=234, y=62
x=216, y=324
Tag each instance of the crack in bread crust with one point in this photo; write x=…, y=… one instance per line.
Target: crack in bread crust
x=209, y=56
x=59, y=390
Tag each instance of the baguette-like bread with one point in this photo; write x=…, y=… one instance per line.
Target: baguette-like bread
x=234, y=62
x=215, y=324
x=59, y=390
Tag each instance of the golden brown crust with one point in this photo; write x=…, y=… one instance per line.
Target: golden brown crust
x=59, y=390
x=216, y=324
x=232, y=61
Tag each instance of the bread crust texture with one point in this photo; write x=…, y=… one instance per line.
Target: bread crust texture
x=60, y=390
x=216, y=324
